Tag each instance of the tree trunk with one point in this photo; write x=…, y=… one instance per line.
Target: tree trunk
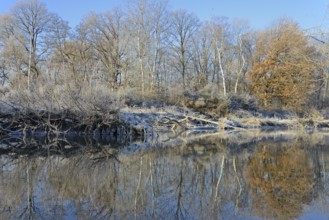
x=238, y=76
x=222, y=71
x=30, y=61
x=141, y=61
x=241, y=69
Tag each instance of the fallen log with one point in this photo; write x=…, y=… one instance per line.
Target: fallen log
x=190, y=122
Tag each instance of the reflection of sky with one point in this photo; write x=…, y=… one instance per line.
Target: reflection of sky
x=259, y=13
x=318, y=209
x=312, y=215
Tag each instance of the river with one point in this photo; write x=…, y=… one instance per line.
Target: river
x=277, y=175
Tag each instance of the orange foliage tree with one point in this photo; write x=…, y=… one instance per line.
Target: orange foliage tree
x=283, y=67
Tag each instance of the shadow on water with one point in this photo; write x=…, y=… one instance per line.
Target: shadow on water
x=271, y=176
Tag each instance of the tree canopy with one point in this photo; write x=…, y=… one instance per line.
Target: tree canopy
x=158, y=52
x=283, y=67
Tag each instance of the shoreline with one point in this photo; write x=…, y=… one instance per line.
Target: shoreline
x=137, y=122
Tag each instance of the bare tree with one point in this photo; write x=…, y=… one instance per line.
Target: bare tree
x=241, y=36
x=30, y=21
x=109, y=35
x=139, y=15
x=219, y=33
x=319, y=39
x=6, y=31
x=30, y=25
x=202, y=56
x=183, y=27
x=159, y=36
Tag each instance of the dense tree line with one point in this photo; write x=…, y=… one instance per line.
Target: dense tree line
x=146, y=48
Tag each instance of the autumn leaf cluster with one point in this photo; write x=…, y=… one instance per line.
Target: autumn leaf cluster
x=283, y=67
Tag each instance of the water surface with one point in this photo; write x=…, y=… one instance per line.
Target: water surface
x=240, y=176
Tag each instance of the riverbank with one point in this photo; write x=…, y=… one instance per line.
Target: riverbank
x=29, y=122
x=177, y=119
x=145, y=122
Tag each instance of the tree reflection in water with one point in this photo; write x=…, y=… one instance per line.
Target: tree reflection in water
x=281, y=180
x=209, y=178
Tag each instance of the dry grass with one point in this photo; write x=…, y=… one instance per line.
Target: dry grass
x=290, y=123
x=59, y=97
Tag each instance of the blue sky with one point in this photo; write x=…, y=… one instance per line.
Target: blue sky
x=259, y=13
